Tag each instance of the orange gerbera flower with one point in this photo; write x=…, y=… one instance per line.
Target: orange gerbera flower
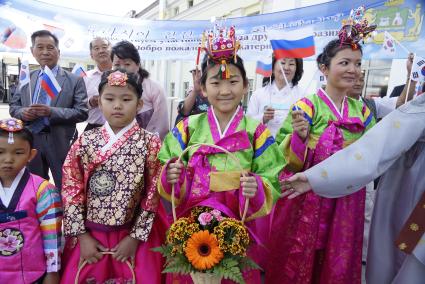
x=202, y=250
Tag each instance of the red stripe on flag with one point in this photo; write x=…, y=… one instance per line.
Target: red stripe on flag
x=48, y=90
x=264, y=73
x=294, y=53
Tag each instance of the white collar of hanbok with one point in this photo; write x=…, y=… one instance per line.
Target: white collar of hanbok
x=114, y=137
x=340, y=112
x=287, y=87
x=228, y=124
x=13, y=187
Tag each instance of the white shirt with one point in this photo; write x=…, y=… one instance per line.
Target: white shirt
x=280, y=100
x=92, y=85
x=384, y=105
x=6, y=193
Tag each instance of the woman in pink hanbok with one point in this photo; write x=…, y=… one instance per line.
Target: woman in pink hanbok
x=316, y=239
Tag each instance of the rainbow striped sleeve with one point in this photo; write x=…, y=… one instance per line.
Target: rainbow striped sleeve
x=49, y=214
x=262, y=140
x=307, y=106
x=180, y=132
x=367, y=116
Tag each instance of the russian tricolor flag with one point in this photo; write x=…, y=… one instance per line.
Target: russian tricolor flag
x=263, y=69
x=79, y=70
x=292, y=44
x=49, y=83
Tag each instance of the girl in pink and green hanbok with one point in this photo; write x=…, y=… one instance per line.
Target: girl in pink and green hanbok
x=208, y=178
x=315, y=239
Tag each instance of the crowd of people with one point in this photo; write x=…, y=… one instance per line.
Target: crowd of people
x=113, y=181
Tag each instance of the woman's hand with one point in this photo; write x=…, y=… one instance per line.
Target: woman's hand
x=268, y=114
x=295, y=185
x=173, y=172
x=300, y=124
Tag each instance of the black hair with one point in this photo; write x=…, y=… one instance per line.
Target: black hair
x=207, y=63
x=126, y=50
x=23, y=134
x=298, y=72
x=331, y=49
x=132, y=80
x=43, y=33
x=96, y=38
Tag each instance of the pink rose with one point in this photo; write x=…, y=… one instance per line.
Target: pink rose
x=216, y=213
x=205, y=218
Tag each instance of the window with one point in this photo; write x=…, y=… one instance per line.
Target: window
x=90, y=67
x=376, y=77
x=176, y=11
x=172, y=89
x=185, y=88
x=190, y=3
x=71, y=64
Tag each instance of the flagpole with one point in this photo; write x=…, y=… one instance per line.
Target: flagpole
x=29, y=83
x=284, y=76
x=410, y=80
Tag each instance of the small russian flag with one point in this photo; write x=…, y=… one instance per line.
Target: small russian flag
x=79, y=70
x=293, y=44
x=49, y=83
x=263, y=69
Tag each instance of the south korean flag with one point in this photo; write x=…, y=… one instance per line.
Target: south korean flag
x=418, y=69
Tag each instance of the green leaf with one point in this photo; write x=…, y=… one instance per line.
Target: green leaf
x=248, y=264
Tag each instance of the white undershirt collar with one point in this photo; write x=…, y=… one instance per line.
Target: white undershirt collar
x=332, y=102
x=228, y=124
x=114, y=137
x=6, y=193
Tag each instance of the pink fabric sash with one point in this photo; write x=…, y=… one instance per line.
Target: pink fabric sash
x=320, y=238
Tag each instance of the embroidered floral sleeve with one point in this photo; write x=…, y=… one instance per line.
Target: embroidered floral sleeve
x=73, y=193
x=49, y=214
x=149, y=202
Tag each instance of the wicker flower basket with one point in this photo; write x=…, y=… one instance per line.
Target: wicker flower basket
x=205, y=278
x=129, y=264
x=201, y=277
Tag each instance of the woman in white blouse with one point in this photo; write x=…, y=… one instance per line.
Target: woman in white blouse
x=271, y=103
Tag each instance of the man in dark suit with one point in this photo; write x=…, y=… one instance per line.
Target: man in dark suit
x=53, y=124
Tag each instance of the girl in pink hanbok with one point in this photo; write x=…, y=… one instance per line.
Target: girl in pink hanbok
x=30, y=213
x=204, y=177
x=109, y=193
x=316, y=239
